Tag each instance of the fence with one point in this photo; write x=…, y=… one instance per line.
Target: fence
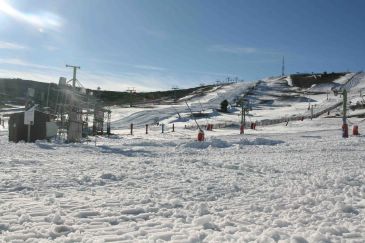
x=268, y=122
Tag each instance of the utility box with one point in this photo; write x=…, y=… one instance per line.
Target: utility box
x=74, y=132
x=62, y=81
x=18, y=131
x=98, y=124
x=51, y=129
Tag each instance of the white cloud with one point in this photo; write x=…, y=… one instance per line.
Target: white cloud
x=12, y=46
x=270, y=55
x=148, y=67
x=117, y=81
x=42, y=21
x=19, y=68
x=232, y=49
x=51, y=48
x=123, y=81
x=135, y=66
x=215, y=74
x=159, y=34
x=37, y=76
x=20, y=62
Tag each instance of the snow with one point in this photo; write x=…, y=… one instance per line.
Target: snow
x=297, y=182
x=304, y=185
x=324, y=87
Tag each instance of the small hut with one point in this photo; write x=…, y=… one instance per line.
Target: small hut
x=42, y=127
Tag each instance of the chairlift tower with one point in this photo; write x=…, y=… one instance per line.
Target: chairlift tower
x=245, y=107
x=75, y=116
x=74, y=80
x=174, y=89
x=131, y=91
x=344, y=114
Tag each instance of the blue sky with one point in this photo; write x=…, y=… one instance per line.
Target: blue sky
x=158, y=44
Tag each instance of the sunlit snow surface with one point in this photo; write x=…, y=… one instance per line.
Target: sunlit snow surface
x=296, y=183
x=295, y=187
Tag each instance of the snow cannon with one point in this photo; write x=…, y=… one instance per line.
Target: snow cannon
x=201, y=136
x=355, y=130
x=345, y=130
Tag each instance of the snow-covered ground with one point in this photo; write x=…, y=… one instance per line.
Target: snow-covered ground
x=297, y=182
x=301, y=183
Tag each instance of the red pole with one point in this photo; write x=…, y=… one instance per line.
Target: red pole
x=355, y=130
x=201, y=136
x=345, y=131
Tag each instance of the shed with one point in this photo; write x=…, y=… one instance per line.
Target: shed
x=38, y=131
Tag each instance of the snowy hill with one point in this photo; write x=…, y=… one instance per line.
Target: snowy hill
x=271, y=98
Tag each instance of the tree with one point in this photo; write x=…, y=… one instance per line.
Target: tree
x=224, y=106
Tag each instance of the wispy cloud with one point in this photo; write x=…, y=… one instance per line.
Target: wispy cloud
x=160, y=34
x=28, y=75
x=148, y=67
x=123, y=81
x=134, y=66
x=240, y=50
x=20, y=62
x=42, y=21
x=12, y=46
x=232, y=49
x=51, y=48
x=214, y=74
x=18, y=68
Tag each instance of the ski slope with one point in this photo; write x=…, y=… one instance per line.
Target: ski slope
x=163, y=112
x=270, y=99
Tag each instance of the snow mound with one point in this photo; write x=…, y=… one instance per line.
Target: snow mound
x=260, y=141
x=323, y=87
x=212, y=143
x=109, y=176
x=218, y=143
x=60, y=230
